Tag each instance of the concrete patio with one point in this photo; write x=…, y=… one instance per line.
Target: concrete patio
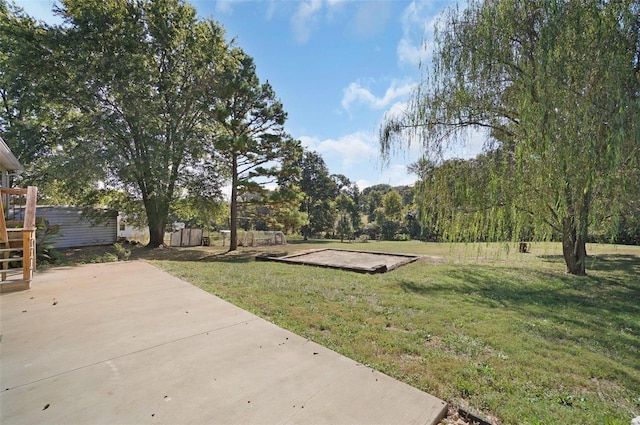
x=126, y=343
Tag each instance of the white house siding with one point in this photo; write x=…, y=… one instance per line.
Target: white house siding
x=126, y=231
x=8, y=165
x=77, y=230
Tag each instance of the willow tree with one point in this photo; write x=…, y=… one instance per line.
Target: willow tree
x=556, y=85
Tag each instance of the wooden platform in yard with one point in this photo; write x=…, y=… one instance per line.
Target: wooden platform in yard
x=357, y=261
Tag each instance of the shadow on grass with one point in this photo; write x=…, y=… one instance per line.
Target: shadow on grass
x=244, y=256
x=629, y=264
x=167, y=253
x=312, y=241
x=203, y=254
x=619, y=265
x=597, y=312
x=550, y=290
x=221, y=254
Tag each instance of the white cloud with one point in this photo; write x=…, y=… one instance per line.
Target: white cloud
x=363, y=184
x=356, y=94
x=470, y=145
x=302, y=20
x=418, y=21
x=410, y=148
x=397, y=110
x=307, y=14
x=224, y=6
x=357, y=156
x=410, y=52
x=351, y=150
x=397, y=175
x=309, y=143
x=394, y=175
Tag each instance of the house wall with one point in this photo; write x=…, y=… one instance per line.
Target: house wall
x=77, y=230
x=8, y=164
x=4, y=178
x=132, y=233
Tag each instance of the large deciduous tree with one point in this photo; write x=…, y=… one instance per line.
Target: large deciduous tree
x=389, y=215
x=24, y=115
x=137, y=76
x=557, y=86
x=250, y=139
x=344, y=225
x=371, y=199
x=319, y=190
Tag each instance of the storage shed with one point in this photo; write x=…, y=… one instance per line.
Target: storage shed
x=77, y=229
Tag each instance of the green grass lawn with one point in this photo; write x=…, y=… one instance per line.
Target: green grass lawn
x=506, y=335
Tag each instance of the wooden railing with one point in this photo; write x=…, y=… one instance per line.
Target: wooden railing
x=17, y=238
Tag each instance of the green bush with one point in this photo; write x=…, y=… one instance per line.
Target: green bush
x=122, y=254
x=107, y=257
x=45, y=232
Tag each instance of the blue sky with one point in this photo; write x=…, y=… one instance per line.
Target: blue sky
x=337, y=65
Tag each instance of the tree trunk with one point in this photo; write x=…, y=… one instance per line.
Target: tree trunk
x=233, y=243
x=574, y=246
x=156, y=235
x=156, y=210
x=156, y=230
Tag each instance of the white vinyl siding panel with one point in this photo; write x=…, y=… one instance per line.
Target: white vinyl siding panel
x=76, y=230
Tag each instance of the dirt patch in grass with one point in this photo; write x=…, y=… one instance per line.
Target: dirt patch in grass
x=358, y=261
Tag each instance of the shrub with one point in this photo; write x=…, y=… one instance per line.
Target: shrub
x=122, y=254
x=45, y=232
x=107, y=257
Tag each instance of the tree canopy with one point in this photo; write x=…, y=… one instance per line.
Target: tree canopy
x=556, y=85
x=144, y=105
x=24, y=115
x=319, y=189
x=130, y=84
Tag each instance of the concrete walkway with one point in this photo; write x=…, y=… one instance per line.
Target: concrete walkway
x=126, y=343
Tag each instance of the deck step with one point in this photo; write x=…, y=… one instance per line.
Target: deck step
x=16, y=257
x=11, y=249
x=14, y=285
x=10, y=259
x=14, y=270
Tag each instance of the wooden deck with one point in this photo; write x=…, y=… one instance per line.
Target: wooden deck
x=17, y=238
